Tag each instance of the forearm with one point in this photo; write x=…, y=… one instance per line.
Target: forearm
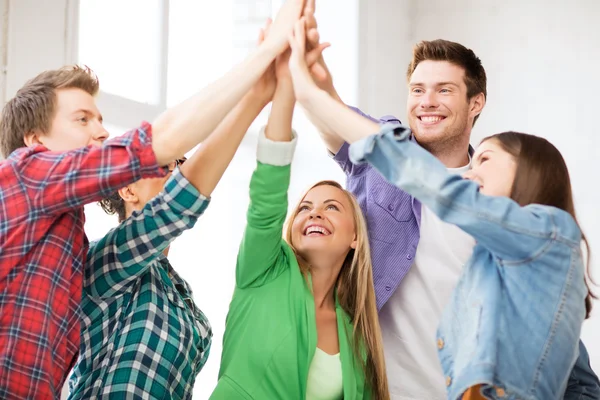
x=332, y=117
x=332, y=140
x=116, y=260
x=208, y=164
x=261, y=244
x=182, y=127
x=279, y=126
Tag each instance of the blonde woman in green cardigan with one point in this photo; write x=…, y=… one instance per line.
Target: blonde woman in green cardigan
x=302, y=323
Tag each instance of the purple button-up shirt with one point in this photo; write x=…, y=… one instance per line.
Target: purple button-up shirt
x=393, y=218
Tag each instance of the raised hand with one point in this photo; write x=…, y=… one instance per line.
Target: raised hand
x=264, y=88
x=319, y=69
x=288, y=15
x=298, y=66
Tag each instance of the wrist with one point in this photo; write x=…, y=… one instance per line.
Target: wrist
x=285, y=84
x=306, y=95
x=256, y=99
x=269, y=49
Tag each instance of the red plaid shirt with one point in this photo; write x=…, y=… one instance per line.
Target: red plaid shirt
x=43, y=247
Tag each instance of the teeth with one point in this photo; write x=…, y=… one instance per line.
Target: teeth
x=313, y=229
x=434, y=118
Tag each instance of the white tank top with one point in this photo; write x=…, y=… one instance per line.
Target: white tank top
x=325, y=377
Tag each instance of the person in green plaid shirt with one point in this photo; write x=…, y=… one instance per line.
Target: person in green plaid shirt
x=142, y=335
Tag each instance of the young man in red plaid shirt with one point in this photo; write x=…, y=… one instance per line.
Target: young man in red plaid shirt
x=52, y=136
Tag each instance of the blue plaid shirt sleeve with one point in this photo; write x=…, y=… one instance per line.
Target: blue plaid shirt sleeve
x=126, y=251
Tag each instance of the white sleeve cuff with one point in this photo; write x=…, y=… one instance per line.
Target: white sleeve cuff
x=275, y=153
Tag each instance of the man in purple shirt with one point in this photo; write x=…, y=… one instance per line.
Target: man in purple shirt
x=417, y=258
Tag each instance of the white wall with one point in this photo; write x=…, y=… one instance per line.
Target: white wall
x=385, y=49
x=542, y=60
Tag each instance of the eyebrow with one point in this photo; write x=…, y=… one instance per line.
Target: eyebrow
x=325, y=202
x=437, y=84
x=481, y=154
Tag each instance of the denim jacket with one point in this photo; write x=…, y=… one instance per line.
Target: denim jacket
x=514, y=320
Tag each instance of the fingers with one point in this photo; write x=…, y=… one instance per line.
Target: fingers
x=267, y=27
x=261, y=36
x=264, y=32
x=312, y=36
x=309, y=7
x=314, y=55
x=298, y=38
x=318, y=72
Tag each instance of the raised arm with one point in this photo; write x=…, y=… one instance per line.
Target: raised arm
x=127, y=250
x=182, y=127
x=116, y=260
x=322, y=77
x=60, y=181
x=500, y=224
x=262, y=247
x=327, y=113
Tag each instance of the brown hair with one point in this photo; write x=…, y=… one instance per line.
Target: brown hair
x=33, y=107
x=454, y=53
x=356, y=295
x=114, y=204
x=542, y=177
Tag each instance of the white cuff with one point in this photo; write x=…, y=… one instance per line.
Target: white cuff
x=275, y=153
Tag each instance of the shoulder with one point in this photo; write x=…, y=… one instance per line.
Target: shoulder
x=562, y=223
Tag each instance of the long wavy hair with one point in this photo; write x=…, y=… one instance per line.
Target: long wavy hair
x=542, y=177
x=356, y=295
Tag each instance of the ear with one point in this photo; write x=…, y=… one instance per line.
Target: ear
x=476, y=104
x=129, y=195
x=354, y=243
x=33, y=138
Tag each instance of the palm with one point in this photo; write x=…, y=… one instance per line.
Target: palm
x=265, y=86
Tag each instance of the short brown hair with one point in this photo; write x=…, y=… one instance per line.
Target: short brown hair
x=542, y=177
x=33, y=107
x=454, y=53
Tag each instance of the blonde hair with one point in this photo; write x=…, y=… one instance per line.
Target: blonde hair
x=356, y=295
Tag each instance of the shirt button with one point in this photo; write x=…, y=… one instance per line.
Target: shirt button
x=391, y=207
x=448, y=381
x=440, y=344
x=388, y=288
x=408, y=257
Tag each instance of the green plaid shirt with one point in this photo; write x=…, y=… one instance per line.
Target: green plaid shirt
x=142, y=336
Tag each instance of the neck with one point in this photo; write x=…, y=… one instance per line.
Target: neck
x=324, y=274
x=454, y=156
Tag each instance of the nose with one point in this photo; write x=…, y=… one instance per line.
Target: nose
x=100, y=134
x=429, y=100
x=315, y=214
x=469, y=175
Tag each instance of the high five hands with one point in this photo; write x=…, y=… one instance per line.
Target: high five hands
x=300, y=56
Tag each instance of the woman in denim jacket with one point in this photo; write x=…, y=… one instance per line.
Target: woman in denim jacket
x=512, y=328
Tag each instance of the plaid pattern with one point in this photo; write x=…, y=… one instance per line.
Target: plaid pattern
x=42, y=248
x=142, y=335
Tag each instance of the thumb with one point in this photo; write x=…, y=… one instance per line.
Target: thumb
x=314, y=55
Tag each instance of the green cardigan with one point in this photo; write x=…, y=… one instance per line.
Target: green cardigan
x=271, y=334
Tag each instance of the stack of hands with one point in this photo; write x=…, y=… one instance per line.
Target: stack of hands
x=299, y=66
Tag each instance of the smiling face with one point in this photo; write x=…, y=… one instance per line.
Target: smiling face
x=324, y=223
x=493, y=168
x=437, y=107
